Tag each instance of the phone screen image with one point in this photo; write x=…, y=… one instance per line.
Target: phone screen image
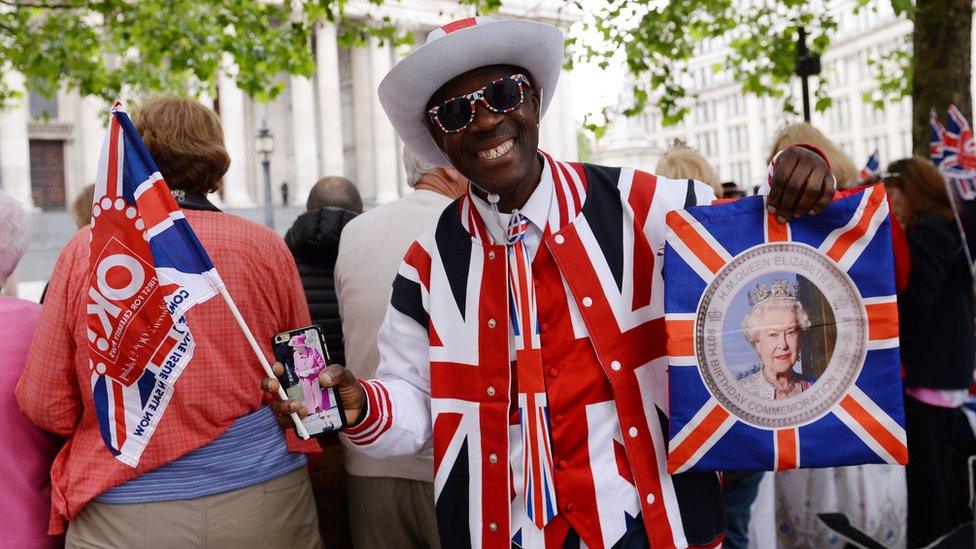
x=303, y=357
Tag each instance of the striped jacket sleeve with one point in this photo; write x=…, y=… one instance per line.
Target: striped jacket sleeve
x=398, y=420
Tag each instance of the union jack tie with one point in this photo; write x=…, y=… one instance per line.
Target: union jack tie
x=539, y=489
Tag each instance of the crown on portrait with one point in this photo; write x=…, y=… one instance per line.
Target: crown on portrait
x=778, y=290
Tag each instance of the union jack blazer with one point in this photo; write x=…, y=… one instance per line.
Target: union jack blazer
x=453, y=390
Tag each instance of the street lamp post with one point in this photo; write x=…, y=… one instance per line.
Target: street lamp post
x=807, y=64
x=264, y=146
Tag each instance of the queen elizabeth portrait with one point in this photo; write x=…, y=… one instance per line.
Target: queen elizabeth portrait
x=773, y=326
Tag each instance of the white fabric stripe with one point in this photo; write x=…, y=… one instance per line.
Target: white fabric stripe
x=159, y=227
x=409, y=272
x=682, y=361
x=878, y=344
x=147, y=184
x=112, y=427
x=880, y=300
x=680, y=316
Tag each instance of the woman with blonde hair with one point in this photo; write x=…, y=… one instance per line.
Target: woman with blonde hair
x=682, y=162
x=219, y=471
x=804, y=132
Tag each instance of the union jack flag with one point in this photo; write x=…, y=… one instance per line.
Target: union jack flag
x=865, y=421
x=953, y=150
x=872, y=167
x=146, y=269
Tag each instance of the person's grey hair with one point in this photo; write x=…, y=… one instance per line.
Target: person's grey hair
x=334, y=192
x=415, y=167
x=15, y=230
x=752, y=324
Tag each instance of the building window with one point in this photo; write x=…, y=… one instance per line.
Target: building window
x=42, y=107
x=738, y=139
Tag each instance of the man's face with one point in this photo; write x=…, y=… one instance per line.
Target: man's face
x=778, y=338
x=497, y=151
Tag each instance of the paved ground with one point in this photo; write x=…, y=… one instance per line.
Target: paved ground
x=52, y=230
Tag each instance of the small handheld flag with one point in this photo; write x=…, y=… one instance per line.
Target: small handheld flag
x=872, y=167
x=146, y=270
x=953, y=150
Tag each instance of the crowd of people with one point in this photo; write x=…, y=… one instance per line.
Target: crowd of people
x=414, y=297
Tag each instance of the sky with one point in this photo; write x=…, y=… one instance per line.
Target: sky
x=593, y=88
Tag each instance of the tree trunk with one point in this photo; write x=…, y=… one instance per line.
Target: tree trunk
x=942, y=72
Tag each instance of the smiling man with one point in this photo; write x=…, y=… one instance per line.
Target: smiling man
x=525, y=336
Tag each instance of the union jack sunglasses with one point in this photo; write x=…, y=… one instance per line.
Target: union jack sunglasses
x=502, y=95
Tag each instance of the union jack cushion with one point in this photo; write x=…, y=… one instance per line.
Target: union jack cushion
x=782, y=339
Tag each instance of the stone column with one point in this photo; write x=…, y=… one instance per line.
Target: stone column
x=385, y=143
x=15, y=177
x=362, y=104
x=236, y=141
x=331, y=158
x=306, y=166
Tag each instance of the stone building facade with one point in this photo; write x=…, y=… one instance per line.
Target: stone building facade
x=328, y=124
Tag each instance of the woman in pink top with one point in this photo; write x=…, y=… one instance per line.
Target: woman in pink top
x=26, y=452
x=308, y=364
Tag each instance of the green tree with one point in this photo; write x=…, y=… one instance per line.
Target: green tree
x=656, y=39
x=108, y=48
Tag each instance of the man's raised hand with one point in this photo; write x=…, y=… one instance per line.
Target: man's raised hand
x=801, y=184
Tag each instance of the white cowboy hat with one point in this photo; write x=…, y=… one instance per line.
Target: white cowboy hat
x=455, y=49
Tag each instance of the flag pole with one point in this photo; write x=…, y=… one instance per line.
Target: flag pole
x=299, y=426
x=955, y=214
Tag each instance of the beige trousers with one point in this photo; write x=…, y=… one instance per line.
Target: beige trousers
x=392, y=513
x=273, y=514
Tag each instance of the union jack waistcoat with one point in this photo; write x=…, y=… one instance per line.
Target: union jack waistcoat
x=605, y=233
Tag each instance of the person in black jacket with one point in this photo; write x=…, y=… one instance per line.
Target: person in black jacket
x=314, y=241
x=938, y=348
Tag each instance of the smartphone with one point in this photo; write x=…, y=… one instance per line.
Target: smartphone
x=303, y=353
